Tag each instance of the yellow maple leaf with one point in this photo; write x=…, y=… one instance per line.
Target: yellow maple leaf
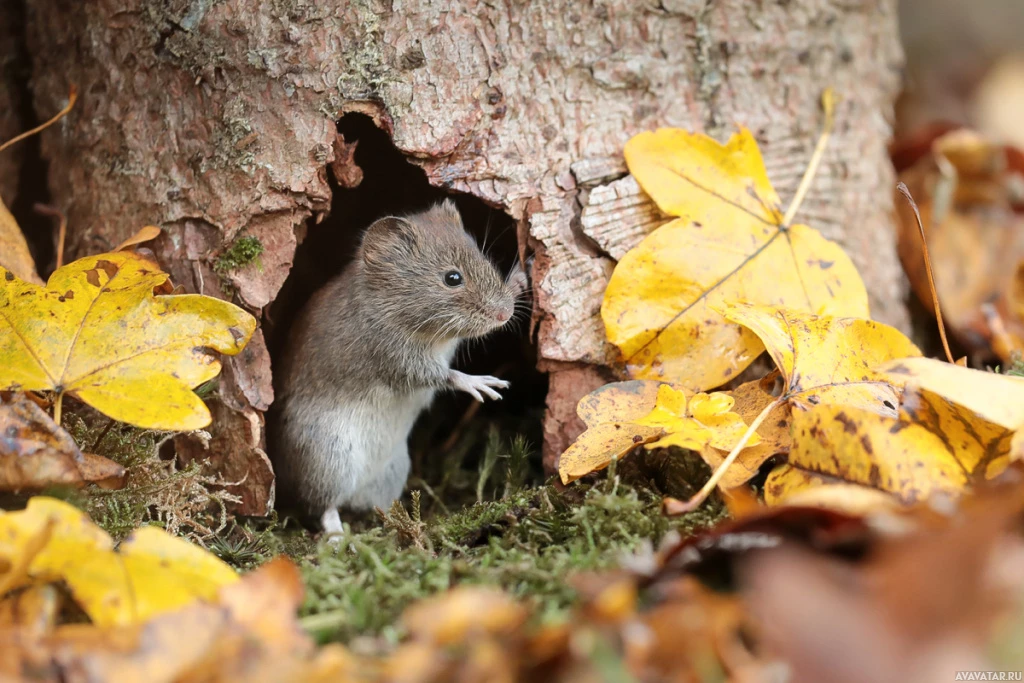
x=695, y=421
x=824, y=359
x=610, y=414
x=96, y=331
x=623, y=415
x=933, y=446
x=773, y=436
x=152, y=571
x=995, y=397
x=729, y=243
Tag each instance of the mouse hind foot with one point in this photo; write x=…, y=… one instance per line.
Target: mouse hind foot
x=331, y=522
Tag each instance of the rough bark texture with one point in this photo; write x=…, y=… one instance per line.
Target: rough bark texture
x=216, y=119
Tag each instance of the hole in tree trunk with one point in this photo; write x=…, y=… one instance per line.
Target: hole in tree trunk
x=452, y=429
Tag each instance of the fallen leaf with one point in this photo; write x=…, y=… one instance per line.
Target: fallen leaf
x=999, y=98
x=728, y=244
x=152, y=571
x=696, y=421
x=34, y=610
x=97, y=332
x=462, y=613
x=618, y=401
x=14, y=253
x=920, y=604
x=994, y=397
x=147, y=233
x=773, y=434
x=674, y=417
x=933, y=447
x=36, y=453
x=247, y=631
x=825, y=359
x=610, y=434
x=595, y=448
x=966, y=190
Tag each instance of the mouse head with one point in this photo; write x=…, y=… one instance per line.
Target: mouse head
x=431, y=278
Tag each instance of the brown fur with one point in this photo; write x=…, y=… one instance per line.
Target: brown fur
x=370, y=349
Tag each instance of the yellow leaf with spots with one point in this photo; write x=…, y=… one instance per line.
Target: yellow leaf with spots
x=773, y=435
x=697, y=421
x=728, y=244
x=618, y=402
x=14, y=253
x=788, y=485
x=96, y=331
x=997, y=398
x=824, y=359
x=610, y=413
x=151, y=572
x=597, y=447
x=624, y=415
x=933, y=446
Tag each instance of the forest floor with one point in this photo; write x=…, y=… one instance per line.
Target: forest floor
x=482, y=513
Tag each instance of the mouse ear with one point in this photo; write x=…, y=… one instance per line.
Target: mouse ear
x=448, y=207
x=387, y=238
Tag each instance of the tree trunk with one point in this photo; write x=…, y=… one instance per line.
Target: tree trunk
x=218, y=119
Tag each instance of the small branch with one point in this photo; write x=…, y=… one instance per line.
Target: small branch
x=99, y=439
x=928, y=269
x=72, y=96
x=62, y=230
x=673, y=506
x=828, y=103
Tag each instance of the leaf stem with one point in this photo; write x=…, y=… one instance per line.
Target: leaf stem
x=72, y=96
x=673, y=506
x=828, y=103
x=928, y=269
x=56, y=407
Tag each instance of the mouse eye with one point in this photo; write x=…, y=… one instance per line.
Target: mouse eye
x=453, y=278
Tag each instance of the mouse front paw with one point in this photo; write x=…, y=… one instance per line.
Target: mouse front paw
x=477, y=386
x=518, y=281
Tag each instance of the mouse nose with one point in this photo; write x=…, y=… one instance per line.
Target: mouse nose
x=502, y=314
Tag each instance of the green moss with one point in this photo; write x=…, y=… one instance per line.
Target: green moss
x=529, y=543
x=185, y=500
x=243, y=251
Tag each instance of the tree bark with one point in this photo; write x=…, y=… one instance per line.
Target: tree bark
x=217, y=119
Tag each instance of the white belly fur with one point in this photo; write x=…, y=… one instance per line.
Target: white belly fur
x=375, y=429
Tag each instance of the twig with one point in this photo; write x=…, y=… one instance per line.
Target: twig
x=673, y=506
x=99, y=439
x=62, y=230
x=928, y=269
x=72, y=96
x=828, y=103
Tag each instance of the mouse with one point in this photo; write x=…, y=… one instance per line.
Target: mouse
x=369, y=351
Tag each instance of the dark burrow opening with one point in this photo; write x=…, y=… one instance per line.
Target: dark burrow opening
x=32, y=186
x=451, y=438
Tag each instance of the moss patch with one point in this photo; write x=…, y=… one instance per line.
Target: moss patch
x=478, y=512
x=529, y=543
x=243, y=251
x=186, y=501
